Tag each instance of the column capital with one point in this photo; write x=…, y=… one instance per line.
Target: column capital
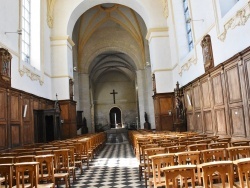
x=157, y=32
x=58, y=39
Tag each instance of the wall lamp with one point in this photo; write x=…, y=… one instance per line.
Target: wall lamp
x=191, y=20
x=19, y=32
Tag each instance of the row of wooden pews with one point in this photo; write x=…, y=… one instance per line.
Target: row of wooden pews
x=174, y=159
x=49, y=164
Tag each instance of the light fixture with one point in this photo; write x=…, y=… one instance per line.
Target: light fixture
x=190, y=20
x=19, y=32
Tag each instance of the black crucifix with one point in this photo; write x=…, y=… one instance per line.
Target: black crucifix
x=114, y=93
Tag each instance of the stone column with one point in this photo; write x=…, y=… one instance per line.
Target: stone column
x=84, y=100
x=62, y=66
x=141, y=95
x=160, y=56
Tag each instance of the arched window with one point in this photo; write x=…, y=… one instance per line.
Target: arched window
x=188, y=25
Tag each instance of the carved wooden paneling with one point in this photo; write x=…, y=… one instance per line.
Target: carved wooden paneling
x=26, y=101
x=217, y=90
x=28, y=130
x=15, y=114
x=238, y=125
x=36, y=104
x=247, y=72
x=188, y=100
x=3, y=105
x=197, y=96
x=190, y=123
x=233, y=83
x=157, y=107
x=205, y=93
x=208, y=122
x=65, y=112
x=15, y=135
x=198, y=122
x=163, y=103
x=166, y=105
x=3, y=136
x=221, y=121
x=157, y=123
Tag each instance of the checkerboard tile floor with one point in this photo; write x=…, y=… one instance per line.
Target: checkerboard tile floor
x=114, y=166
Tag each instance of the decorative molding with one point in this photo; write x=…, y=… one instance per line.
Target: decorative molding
x=33, y=76
x=167, y=69
x=50, y=11
x=157, y=32
x=165, y=8
x=187, y=65
x=69, y=40
x=239, y=19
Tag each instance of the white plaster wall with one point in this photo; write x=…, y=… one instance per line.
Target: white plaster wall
x=10, y=22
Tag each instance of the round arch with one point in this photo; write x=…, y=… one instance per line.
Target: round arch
x=64, y=21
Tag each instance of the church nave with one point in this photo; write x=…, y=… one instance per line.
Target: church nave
x=115, y=166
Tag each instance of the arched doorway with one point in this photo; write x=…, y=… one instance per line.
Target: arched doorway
x=115, y=117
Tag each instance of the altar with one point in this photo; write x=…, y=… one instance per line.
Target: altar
x=117, y=135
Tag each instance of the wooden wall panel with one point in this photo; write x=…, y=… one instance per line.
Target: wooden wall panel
x=208, y=122
x=196, y=91
x=217, y=90
x=3, y=105
x=163, y=103
x=198, y=122
x=190, y=123
x=15, y=135
x=188, y=99
x=36, y=104
x=233, y=83
x=166, y=105
x=15, y=109
x=3, y=136
x=221, y=127
x=28, y=131
x=65, y=112
x=238, y=126
x=225, y=92
x=206, y=94
x=247, y=72
x=29, y=110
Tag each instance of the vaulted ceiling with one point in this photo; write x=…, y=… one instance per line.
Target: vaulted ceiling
x=110, y=37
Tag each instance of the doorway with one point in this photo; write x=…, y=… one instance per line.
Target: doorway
x=115, y=117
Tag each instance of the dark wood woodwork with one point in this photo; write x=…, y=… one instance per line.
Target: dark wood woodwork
x=164, y=108
x=68, y=115
x=47, y=125
x=218, y=102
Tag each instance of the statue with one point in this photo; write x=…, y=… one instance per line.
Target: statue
x=146, y=124
x=179, y=108
x=146, y=117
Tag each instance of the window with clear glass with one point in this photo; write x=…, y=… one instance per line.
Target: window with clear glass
x=188, y=25
x=226, y=5
x=26, y=31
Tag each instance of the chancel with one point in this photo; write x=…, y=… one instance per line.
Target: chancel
x=102, y=81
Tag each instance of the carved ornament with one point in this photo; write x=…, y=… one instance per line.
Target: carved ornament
x=50, y=10
x=239, y=19
x=30, y=74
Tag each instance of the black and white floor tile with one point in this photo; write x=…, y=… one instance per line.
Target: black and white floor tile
x=114, y=166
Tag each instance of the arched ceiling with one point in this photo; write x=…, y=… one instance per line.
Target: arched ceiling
x=110, y=37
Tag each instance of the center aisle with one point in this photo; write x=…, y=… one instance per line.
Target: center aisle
x=115, y=166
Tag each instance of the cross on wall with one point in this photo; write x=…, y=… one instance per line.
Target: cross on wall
x=114, y=93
